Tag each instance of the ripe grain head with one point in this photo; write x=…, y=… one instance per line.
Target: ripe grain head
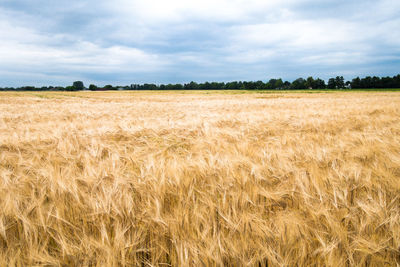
x=193, y=179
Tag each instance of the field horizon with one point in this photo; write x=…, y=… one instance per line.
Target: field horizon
x=190, y=178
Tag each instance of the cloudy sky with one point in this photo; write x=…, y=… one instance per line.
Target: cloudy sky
x=54, y=42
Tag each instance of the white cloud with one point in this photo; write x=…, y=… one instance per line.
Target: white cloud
x=156, y=11
x=24, y=48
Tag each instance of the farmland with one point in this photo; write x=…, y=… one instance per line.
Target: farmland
x=199, y=178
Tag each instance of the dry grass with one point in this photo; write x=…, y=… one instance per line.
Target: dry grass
x=110, y=179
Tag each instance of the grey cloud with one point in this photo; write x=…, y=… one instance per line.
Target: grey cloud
x=51, y=42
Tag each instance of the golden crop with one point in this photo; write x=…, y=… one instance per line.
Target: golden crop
x=194, y=179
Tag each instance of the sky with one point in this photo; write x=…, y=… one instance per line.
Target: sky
x=119, y=42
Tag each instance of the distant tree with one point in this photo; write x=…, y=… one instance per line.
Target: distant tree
x=214, y=86
x=260, y=85
x=387, y=82
x=319, y=84
x=177, y=86
x=249, y=85
x=232, y=86
x=332, y=83
x=221, y=86
x=396, y=81
x=376, y=82
x=134, y=86
x=367, y=82
x=286, y=85
x=150, y=86
x=356, y=83
x=310, y=83
x=169, y=87
x=92, y=87
x=205, y=86
x=78, y=85
x=339, y=81
x=299, y=83
x=70, y=88
x=270, y=84
x=278, y=84
x=28, y=88
x=191, y=86
x=274, y=84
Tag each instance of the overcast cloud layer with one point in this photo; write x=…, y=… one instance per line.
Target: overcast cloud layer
x=45, y=42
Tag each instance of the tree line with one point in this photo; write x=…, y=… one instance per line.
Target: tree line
x=273, y=84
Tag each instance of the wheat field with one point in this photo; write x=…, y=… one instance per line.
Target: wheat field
x=199, y=179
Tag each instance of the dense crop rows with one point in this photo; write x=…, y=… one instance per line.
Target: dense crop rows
x=191, y=179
